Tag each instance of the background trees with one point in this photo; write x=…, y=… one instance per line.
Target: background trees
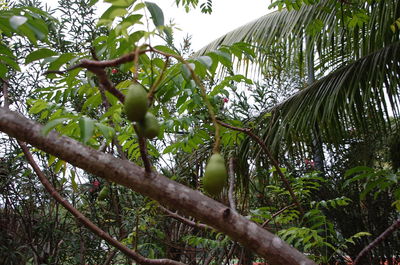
x=351, y=51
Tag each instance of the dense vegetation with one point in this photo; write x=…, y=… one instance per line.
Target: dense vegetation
x=303, y=104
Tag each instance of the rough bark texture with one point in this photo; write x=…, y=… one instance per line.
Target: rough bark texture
x=155, y=186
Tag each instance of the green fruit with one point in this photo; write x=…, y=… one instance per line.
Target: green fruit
x=135, y=104
x=103, y=193
x=149, y=126
x=215, y=175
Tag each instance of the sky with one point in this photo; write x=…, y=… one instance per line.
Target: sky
x=204, y=28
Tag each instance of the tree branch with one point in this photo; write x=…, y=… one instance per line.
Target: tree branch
x=183, y=219
x=379, y=239
x=276, y=214
x=271, y=157
x=156, y=186
x=85, y=221
x=231, y=184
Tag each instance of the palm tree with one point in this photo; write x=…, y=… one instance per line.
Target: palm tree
x=347, y=56
x=353, y=51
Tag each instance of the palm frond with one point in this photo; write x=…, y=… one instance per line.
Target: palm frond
x=353, y=98
x=335, y=43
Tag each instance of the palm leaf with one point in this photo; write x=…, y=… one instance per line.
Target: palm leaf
x=355, y=97
x=335, y=44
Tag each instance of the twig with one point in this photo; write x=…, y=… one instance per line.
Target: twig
x=379, y=239
x=271, y=157
x=183, y=219
x=5, y=93
x=93, y=53
x=86, y=63
x=232, y=203
x=143, y=150
x=105, y=82
x=110, y=257
x=276, y=214
x=230, y=253
x=210, y=256
x=85, y=221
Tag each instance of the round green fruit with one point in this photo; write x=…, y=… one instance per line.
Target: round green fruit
x=215, y=175
x=149, y=126
x=136, y=104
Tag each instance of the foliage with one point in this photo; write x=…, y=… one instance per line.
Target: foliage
x=349, y=45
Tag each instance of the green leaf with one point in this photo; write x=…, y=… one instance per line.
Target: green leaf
x=3, y=70
x=59, y=165
x=73, y=182
x=139, y=6
x=62, y=59
x=11, y=62
x=120, y=3
x=156, y=13
x=51, y=160
x=357, y=169
x=17, y=21
x=107, y=131
x=38, y=106
x=39, y=54
x=5, y=50
x=111, y=13
x=86, y=125
x=165, y=49
x=186, y=71
x=51, y=125
x=93, y=2
x=205, y=60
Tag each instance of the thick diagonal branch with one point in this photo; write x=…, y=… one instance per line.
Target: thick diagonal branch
x=164, y=190
x=264, y=147
x=183, y=219
x=85, y=221
x=379, y=239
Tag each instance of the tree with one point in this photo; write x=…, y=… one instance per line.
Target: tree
x=120, y=188
x=76, y=95
x=351, y=48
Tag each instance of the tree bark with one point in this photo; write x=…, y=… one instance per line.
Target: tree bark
x=155, y=186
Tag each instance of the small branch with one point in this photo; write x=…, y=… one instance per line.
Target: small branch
x=183, y=219
x=136, y=63
x=271, y=157
x=93, y=53
x=379, y=239
x=110, y=257
x=5, y=93
x=105, y=82
x=86, y=63
x=230, y=253
x=85, y=221
x=276, y=214
x=231, y=184
x=211, y=256
x=104, y=99
x=143, y=151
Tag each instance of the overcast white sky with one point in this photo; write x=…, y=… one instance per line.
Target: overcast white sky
x=204, y=28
